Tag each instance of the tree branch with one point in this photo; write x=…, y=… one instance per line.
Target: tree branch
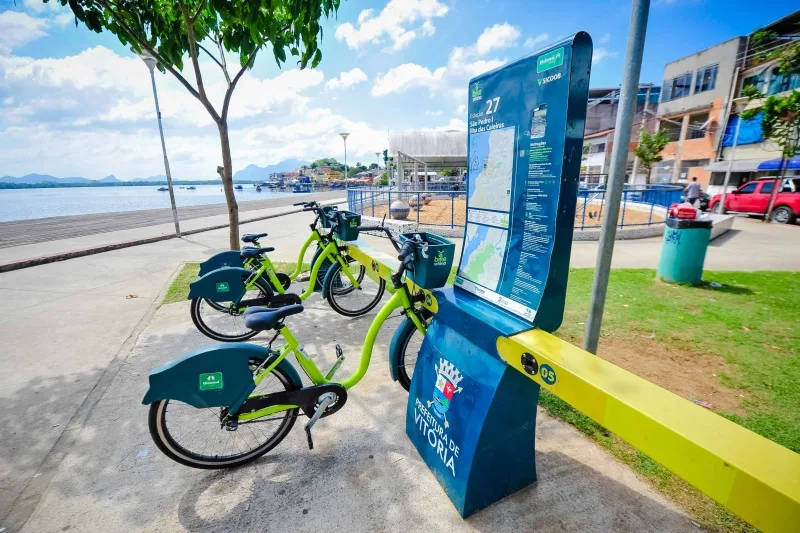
x=222, y=58
x=150, y=50
x=222, y=66
x=236, y=79
x=199, y=10
x=193, y=54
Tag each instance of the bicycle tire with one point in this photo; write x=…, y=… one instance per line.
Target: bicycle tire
x=167, y=443
x=264, y=290
x=405, y=333
x=333, y=293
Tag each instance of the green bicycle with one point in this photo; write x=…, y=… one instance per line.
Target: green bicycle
x=241, y=400
x=250, y=278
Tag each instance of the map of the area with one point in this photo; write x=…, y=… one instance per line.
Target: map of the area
x=491, y=168
x=484, y=251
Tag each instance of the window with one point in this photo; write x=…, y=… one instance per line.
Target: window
x=597, y=148
x=756, y=80
x=778, y=83
x=698, y=124
x=791, y=185
x=749, y=188
x=677, y=87
x=706, y=79
x=766, y=188
x=672, y=128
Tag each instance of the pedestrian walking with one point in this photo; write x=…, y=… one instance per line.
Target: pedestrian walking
x=692, y=192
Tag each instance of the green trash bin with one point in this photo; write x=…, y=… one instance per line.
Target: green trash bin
x=684, y=250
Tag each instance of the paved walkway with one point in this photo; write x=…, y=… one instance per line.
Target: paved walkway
x=362, y=476
x=23, y=232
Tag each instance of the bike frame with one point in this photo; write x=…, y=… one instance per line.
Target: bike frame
x=400, y=299
x=331, y=249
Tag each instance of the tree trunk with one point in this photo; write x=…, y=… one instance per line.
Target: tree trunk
x=777, y=188
x=649, y=171
x=227, y=186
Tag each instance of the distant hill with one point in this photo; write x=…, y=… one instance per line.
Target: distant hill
x=42, y=178
x=255, y=173
x=159, y=178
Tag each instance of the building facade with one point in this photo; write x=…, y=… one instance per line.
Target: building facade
x=746, y=152
x=693, y=109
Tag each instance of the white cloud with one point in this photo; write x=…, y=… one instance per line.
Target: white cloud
x=407, y=76
x=454, y=125
x=461, y=109
x=497, y=37
x=92, y=114
x=37, y=6
x=64, y=19
x=430, y=113
x=605, y=39
x=392, y=24
x=601, y=54
x=530, y=42
x=463, y=63
x=347, y=79
x=17, y=29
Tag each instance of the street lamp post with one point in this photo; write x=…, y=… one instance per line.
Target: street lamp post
x=151, y=63
x=378, y=158
x=346, y=171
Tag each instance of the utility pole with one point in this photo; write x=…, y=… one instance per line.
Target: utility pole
x=346, y=171
x=730, y=167
x=151, y=63
x=635, y=170
x=619, y=159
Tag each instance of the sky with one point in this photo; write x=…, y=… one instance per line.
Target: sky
x=77, y=103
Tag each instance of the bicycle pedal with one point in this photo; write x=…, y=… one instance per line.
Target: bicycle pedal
x=337, y=364
x=231, y=425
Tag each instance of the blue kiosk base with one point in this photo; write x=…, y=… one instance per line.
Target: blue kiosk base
x=471, y=417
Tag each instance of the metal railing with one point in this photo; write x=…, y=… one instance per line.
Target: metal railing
x=428, y=208
x=642, y=205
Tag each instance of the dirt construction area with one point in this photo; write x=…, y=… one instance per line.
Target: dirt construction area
x=445, y=212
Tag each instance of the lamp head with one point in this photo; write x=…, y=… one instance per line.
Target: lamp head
x=149, y=60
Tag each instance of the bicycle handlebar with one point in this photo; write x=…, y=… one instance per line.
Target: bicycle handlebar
x=307, y=205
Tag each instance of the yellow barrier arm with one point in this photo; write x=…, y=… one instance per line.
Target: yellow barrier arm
x=755, y=478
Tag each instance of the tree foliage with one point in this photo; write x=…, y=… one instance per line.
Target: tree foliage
x=649, y=149
x=780, y=122
x=170, y=30
x=787, y=56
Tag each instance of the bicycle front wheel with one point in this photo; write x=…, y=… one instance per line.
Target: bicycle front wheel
x=408, y=342
x=347, y=299
x=197, y=438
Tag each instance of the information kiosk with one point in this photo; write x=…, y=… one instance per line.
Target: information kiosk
x=471, y=417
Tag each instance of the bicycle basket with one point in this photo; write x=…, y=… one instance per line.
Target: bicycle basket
x=327, y=212
x=431, y=272
x=348, y=225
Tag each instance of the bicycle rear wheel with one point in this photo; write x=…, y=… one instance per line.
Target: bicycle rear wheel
x=345, y=298
x=227, y=324
x=196, y=437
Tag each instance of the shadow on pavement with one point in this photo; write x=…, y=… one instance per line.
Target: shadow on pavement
x=363, y=475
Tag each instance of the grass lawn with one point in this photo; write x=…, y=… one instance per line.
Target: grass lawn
x=734, y=348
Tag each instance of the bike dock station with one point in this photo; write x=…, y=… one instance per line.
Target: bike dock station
x=471, y=412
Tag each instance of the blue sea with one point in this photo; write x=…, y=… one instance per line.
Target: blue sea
x=23, y=204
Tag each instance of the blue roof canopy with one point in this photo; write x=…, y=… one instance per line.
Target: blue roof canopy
x=775, y=164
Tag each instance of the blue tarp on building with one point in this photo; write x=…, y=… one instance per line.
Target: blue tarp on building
x=749, y=133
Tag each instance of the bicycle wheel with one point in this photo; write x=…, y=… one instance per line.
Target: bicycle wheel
x=226, y=325
x=323, y=269
x=348, y=300
x=408, y=342
x=195, y=437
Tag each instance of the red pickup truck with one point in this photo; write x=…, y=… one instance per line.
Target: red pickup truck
x=753, y=198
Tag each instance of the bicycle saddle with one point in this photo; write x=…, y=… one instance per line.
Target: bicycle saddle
x=253, y=237
x=262, y=319
x=248, y=252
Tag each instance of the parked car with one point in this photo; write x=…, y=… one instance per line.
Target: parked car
x=753, y=198
x=705, y=198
